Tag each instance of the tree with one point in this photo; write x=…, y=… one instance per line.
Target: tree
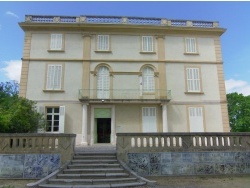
x=239, y=112
x=17, y=114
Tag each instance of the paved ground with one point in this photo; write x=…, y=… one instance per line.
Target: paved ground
x=162, y=182
x=170, y=182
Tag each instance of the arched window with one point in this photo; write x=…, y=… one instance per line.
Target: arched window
x=148, y=81
x=103, y=83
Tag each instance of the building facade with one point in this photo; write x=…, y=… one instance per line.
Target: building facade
x=96, y=76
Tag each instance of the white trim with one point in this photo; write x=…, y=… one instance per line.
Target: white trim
x=165, y=118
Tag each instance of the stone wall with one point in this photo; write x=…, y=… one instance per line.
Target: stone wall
x=171, y=154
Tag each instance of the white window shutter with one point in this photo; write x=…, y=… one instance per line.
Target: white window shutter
x=54, y=77
x=191, y=45
x=193, y=79
x=196, y=119
x=62, y=119
x=103, y=83
x=147, y=43
x=41, y=110
x=149, y=119
x=103, y=42
x=148, y=82
x=56, y=41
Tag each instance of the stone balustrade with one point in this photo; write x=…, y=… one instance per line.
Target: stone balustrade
x=120, y=20
x=180, y=142
x=174, y=154
x=62, y=144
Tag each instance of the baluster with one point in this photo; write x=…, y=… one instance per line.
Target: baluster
x=132, y=142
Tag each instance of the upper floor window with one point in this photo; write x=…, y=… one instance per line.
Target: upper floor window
x=54, y=77
x=147, y=44
x=190, y=44
x=193, y=80
x=103, y=43
x=103, y=83
x=148, y=81
x=56, y=41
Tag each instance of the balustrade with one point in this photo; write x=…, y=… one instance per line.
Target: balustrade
x=169, y=142
x=63, y=144
x=119, y=20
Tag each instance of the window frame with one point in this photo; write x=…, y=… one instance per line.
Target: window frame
x=108, y=45
x=53, y=89
x=189, y=45
x=53, y=114
x=143, y=44
x=51, y=44
x=146, y=87
x=61, y=118
x=193, y=80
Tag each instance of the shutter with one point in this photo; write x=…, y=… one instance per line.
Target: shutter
x=191, y=45
x=50, y=73
x=149, y=119
x=54, y=77
x=103, y=83
x=148, y=80
x=61, y=119
x=40, y=110
x=193, y=79
x=56, y=41
x=57, y=77
x=147, y=43
x=196, y=119
x=103, y=42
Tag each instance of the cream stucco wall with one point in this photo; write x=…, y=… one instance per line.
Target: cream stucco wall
x=71, y=81
x=122, y=47
x=73, y=46
x=175, y=49
x=176, y=82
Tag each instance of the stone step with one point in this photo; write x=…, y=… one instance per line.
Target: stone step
x=91, y=181
x=95, y=154
x=86, y=166
x=92, y=171
x=94, y=161
x=76, y=157
x=113, y=185
x=92, y=176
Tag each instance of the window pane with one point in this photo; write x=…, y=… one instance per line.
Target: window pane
x=56, y=117
x=56, y=110
x=49, y=110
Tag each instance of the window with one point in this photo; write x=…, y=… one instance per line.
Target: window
x=103, y=83
x=103, y=42
x=148, y=82
x=147, y=44
x=196, y=119
x=55, y=119
x=193, y=80
x=56, y=42
x=191, y=45
x=54, y=77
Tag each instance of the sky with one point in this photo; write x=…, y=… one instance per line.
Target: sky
x=233, y=16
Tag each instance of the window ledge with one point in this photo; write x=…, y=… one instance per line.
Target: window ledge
x=147, y=52
x=56, y=51
x=103, y=51
x=53, y=90
x=193, y=92
x=189, y=53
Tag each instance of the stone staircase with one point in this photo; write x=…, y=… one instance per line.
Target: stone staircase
x=90, y=170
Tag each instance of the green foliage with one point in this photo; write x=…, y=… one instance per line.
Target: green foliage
x=17, y=114
x=239, y=112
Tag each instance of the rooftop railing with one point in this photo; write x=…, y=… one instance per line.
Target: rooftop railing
x=120, y=20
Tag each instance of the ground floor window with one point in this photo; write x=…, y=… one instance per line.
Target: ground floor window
x=55, y=119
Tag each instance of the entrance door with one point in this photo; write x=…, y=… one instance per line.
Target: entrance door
x=103, y=130
x=149, y=119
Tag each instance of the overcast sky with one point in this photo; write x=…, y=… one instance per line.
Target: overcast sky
x=234, y=16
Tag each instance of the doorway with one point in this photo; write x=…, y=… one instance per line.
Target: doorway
x=103, y=130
